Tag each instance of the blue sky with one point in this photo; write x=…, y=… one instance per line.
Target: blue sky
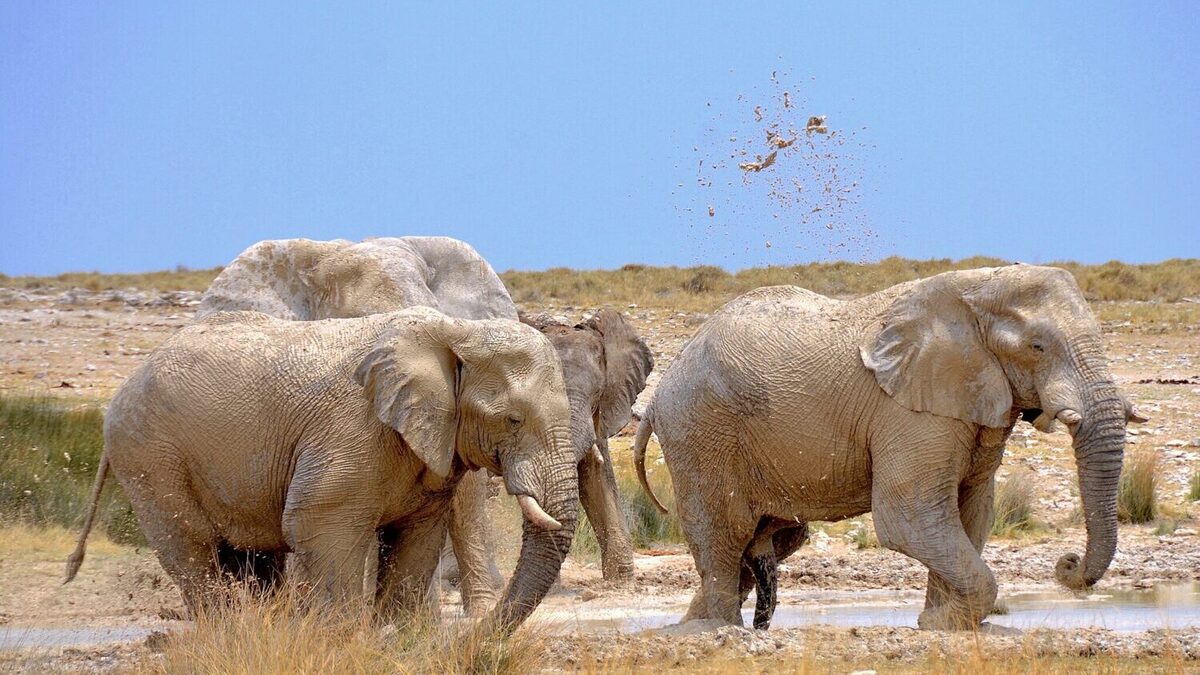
x=139, y=136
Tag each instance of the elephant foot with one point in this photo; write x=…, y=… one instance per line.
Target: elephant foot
x=948, y=617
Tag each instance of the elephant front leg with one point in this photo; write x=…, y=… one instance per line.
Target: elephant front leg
x=917, y=514
x=329, y=553
x=601, y=503
x=976, y=511
x=408, y=563
x=471, y=537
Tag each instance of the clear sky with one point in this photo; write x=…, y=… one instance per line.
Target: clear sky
x=139, y=136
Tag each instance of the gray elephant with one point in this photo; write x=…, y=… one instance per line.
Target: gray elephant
x=247, y=433
x=788, y=407
x=604, y=363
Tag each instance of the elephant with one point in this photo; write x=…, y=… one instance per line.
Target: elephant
x=788, y=406
x=605, y=363
x=247, y=433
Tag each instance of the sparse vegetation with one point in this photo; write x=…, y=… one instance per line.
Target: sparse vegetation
x=1194, y=488
x=1136, y=499
x=706, y=287
x=648, y=527
x=281, y=635
x=49, y=451
x=1013, y=511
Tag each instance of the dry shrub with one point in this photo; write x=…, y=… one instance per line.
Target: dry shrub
x=1194, y=488
x=280, y=635
x=1013, y=511
x=1136, y=499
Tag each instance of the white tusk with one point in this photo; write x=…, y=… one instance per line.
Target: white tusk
x=1044, y=423
x=598, y=455
x=534, y=513
x=1134, y=416
x=1069, y=417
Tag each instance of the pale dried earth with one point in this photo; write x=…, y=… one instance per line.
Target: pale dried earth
x=80, y=345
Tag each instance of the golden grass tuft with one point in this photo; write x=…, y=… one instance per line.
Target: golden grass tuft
x=1136, y=498
x=1013, y=511
x=21, y=542
x=280, y=635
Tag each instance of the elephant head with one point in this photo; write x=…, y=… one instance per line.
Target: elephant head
x=465, y=394
x=605, y=365
x=987, y=345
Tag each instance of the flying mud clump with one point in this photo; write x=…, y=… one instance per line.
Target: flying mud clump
x=771, y=174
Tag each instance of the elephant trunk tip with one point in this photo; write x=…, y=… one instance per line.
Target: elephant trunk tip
x=1069, y=572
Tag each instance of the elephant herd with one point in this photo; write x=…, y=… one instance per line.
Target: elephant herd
x=334, y=412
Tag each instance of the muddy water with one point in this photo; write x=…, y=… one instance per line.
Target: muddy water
x=1164, y=606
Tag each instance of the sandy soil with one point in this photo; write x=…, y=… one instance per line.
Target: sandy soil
x=81, y=345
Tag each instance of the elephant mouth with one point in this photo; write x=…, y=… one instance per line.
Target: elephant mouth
x=534, y=513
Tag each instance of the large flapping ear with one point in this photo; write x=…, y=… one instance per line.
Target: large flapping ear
x=410, y=376
x=627, y=363
x=929, y=354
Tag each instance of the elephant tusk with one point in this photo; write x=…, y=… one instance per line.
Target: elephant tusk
x=1134, y=416
x=1069, y=417
x=598, y=455
x=533, y=513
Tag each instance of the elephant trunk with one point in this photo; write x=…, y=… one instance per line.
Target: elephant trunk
x=1098, y=431
x=553, y=490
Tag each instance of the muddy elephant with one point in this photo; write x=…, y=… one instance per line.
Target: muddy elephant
x=788, y=406
x=247, y=433
x=604, y=362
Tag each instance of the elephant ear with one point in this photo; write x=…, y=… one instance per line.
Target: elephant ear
x=627, y=363
x=410, y=377
x=929, y=354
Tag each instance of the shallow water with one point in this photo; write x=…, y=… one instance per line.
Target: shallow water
x=54, y=638
x=1164, y=606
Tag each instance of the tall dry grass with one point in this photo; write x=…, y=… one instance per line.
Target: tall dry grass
x=1013, y=505
x=283, y=634
x=1137, y=501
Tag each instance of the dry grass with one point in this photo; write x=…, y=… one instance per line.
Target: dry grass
x=1136, y=498
x=281, y=635
x=1194, y=488
x=1013, y=511
x=704, y=288
x=647, y=526
x=21, y=542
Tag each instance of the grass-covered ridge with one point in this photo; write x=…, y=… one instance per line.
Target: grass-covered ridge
x=707, y=287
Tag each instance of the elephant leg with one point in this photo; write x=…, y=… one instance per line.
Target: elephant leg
x=760, y=567
x=471, y=536
x=408, y=564
x=182, y=537
x=262, y=570
x=330, y=545
x=976, y=510
x=721, y=545
x=598, y=493
x=917, y=513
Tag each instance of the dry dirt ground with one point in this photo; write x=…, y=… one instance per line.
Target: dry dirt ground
x=81, y=345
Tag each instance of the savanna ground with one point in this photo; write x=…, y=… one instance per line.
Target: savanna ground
x=68, y=342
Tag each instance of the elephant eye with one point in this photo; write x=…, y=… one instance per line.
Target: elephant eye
x=1037, y=346
x=515, y=420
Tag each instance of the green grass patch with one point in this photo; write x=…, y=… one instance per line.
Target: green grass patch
x=49, y=451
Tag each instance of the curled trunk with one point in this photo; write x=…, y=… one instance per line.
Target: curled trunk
x=1099, y=442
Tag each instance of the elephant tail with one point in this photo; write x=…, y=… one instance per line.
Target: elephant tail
x=75, y=560
x=645, y=427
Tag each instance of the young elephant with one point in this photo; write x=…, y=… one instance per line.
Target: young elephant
x=790, y=406
x=249, y=433
x=605, y=365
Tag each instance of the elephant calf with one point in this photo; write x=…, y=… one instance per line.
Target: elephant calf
x=788, y=407
x=245, y=437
